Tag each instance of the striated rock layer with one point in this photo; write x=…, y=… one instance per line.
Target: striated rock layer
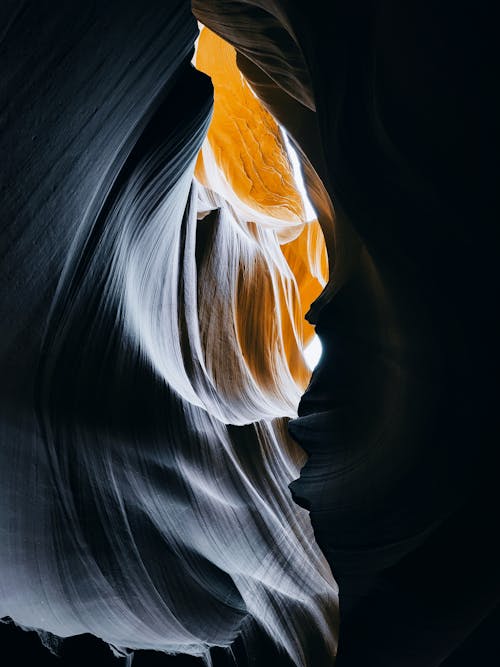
x=156, y=270
x=394, y=108
x=152, y=347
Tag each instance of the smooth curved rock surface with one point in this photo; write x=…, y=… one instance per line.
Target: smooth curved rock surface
x=151, y=351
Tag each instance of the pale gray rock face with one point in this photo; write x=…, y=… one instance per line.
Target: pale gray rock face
x=139, y=503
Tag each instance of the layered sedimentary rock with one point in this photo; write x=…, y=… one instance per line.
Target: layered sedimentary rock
x=152, y=348
x=156, y=271
x=394, y=108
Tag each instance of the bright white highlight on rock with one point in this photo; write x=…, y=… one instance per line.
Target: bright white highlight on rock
x=312, y=353
x=299, y=179
x=149, y=468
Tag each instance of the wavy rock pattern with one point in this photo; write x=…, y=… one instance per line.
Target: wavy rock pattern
x=388, y=106
x=145, y=467
x=152, y=346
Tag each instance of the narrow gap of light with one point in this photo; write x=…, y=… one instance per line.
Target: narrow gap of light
x=297, y=174
x=200, y=28
x=312, y=353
